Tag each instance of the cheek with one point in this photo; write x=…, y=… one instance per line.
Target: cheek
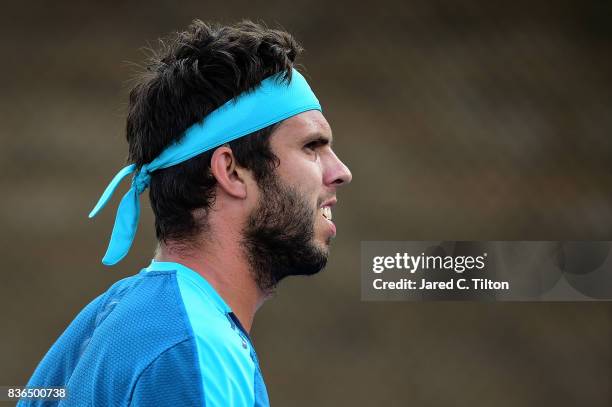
x=303, y=174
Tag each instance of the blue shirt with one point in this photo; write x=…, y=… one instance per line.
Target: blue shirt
x=163, y=337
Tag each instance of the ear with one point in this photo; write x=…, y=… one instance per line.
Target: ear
x=228, y=174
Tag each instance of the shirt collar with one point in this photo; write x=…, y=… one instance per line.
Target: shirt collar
x=193, y=276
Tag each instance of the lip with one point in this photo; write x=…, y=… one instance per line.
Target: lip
x=332, y=226
x=330, y=202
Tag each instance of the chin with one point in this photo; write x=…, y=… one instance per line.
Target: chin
x=322, y=238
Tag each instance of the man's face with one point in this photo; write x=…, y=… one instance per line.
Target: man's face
x=290, y=230
x=308, y=164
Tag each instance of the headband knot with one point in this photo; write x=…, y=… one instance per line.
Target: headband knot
x=141, y=180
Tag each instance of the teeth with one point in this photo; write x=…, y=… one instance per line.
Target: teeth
x=327, y=213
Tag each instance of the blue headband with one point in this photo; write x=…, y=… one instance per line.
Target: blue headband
x=274, y=100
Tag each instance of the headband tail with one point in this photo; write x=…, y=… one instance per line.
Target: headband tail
x=124, y=230
x=110, y=189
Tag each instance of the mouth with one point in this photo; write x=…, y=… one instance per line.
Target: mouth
x=326, y=212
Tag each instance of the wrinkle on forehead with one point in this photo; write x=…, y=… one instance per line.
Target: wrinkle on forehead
x=310, y=122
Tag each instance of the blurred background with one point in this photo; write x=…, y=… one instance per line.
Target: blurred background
x=459, y=120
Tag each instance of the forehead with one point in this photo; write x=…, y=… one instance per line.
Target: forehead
x=303, y=125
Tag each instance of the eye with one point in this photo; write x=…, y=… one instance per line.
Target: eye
x=314, y=144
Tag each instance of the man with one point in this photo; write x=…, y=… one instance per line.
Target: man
x=232, y=144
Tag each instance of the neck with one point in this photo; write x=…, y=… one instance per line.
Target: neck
x=226, y=269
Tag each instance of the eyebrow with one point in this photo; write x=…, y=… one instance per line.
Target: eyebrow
x=320, y=137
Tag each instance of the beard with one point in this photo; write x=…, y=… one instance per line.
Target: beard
x=278, y=237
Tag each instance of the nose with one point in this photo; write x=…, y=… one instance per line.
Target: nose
x=337, y=173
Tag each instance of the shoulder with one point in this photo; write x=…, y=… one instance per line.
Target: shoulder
x=140, y=325
x=121, y=338
x=215, y=361
x=141, y=317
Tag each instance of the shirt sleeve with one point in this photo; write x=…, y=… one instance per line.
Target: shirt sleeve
x=172, y=379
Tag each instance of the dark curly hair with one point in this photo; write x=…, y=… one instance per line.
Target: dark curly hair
x=193, y=73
